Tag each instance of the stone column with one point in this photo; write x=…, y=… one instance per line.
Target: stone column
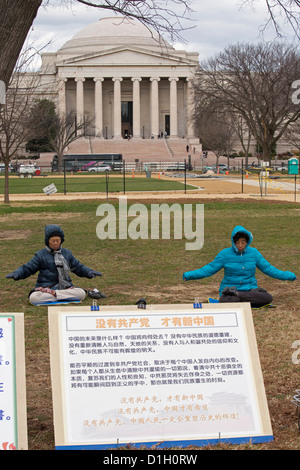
x=62, y=97
x=189, y=109
x=117, y=108
x=79, y=102
x=98, y=107
x=154, y=107
x=136, y=107
x=173, y=107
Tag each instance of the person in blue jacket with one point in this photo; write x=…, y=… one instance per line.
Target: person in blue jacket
x=239, y=263
x=54, y=263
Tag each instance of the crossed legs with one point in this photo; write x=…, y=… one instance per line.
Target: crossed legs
x=257, y=298
x=46, y=295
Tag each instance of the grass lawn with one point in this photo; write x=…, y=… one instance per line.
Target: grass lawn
x=93, y=183
x=153, y=269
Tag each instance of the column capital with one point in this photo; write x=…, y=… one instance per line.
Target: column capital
x=133, y=79
x=98, y=79
x=79, y=79
x=119, y=79
x=173, y=78
x=152, y=79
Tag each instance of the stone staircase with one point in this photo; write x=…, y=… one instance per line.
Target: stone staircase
x=143, y=150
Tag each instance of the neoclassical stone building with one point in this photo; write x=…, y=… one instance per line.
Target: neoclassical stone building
x=125, y=78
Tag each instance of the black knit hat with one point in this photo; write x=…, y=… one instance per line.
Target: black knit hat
x=55, y=234
x=53, y=231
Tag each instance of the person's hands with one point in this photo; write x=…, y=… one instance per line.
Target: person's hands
x=12, y=276
x=93, y=273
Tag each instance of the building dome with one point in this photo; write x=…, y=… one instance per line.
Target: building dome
x=107, y=33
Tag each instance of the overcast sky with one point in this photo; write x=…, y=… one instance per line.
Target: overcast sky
x=217, y=23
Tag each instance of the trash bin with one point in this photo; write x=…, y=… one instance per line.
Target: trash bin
x=293, y=166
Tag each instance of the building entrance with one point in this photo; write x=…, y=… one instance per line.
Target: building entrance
x=126, y=111
x=167, y=124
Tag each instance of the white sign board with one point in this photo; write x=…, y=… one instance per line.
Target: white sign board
x=13, y=427
x=50, y=189
x=172, y=374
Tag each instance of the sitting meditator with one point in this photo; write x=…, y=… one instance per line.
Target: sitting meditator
x=54, y=263
x=239, y=263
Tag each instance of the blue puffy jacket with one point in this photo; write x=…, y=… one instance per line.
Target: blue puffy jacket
x=239, y=268
x=43, y=261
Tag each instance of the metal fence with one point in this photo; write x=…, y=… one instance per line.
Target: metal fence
x=124, y=177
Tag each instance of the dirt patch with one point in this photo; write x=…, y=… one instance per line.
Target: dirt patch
x=14, y=234
x=31, y=216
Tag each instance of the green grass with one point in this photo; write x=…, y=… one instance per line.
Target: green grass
x=153, y=269
x=94, y=183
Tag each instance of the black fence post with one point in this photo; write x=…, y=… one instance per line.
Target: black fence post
x=65, y=179
x=242, y=175
x=106, y=183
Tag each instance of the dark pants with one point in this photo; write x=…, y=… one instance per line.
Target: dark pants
x=256, y=297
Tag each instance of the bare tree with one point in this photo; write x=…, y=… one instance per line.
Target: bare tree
x=255, y=82
x=289, y=10
x=242, y=132
x=292, y=134
x=216, y=131
x=14, y=115
x=58, y=131
x=68, y=129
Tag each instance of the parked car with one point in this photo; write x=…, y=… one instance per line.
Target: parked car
x=283, y=168
x=28, y=170
x=87, y=166
x=99, y=167
x=2, y=167
x=222, y=168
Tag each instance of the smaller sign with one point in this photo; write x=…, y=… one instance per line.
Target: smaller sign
x=50, y=189
x=13, y=420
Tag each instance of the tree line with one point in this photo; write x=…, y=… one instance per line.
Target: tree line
x=247, y=91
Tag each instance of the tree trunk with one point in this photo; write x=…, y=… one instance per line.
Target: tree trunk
x=60, y=161
x=6, y=183
x=266, y=152
x=16, y=19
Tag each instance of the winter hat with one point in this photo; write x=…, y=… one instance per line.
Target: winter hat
x=53, y=231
